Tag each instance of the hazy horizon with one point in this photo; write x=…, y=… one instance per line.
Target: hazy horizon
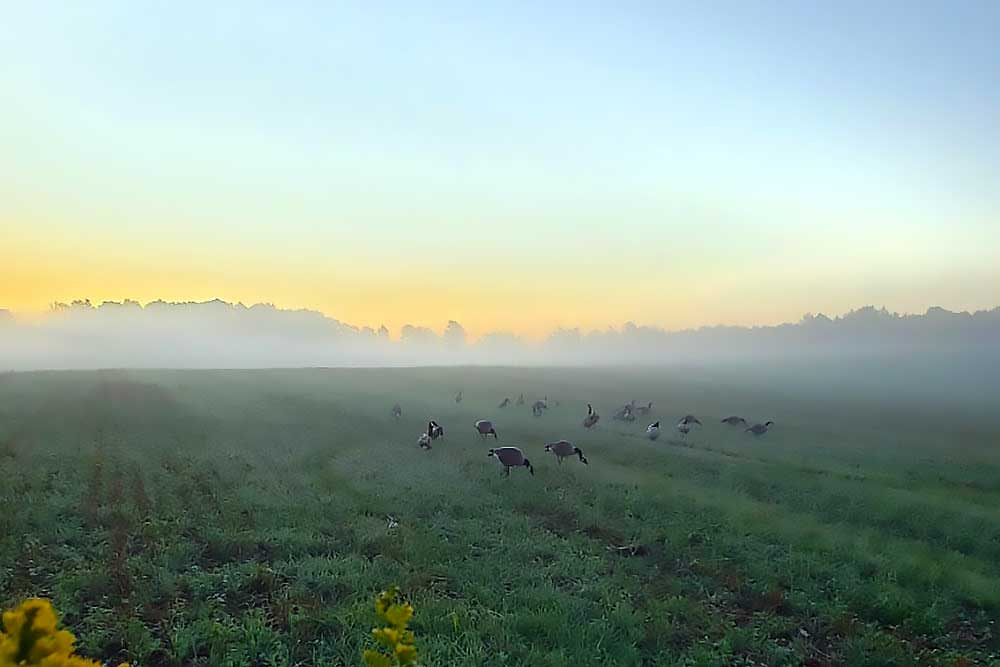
x=217, y=334
x=440, y=328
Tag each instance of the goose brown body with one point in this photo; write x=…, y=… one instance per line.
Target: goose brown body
x=760, y=429
x=511, y=457
x=564, y=448
x=486, y=428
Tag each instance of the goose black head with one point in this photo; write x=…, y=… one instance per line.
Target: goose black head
x=527, y=464
x=579, y=452
x=492, y=452
x=768, y=424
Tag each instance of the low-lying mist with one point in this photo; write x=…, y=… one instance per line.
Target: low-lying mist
x=935, y=355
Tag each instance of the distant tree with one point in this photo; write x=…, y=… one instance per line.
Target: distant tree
x=454, y=334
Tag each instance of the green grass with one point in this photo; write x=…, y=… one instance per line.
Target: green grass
x=239, y=517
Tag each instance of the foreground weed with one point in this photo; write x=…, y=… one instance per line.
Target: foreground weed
x=31, y=638
x=395, y=638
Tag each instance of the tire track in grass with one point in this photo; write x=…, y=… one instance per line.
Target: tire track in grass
x=802, y=531
x=791, y=494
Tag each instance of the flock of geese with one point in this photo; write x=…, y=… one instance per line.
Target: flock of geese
x=513, y=457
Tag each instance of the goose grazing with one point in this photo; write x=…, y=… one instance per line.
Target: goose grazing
x=424, y=441
x=520, y=399
x=511, y=457
x=591, y=418
x=486, y=429
x=644, y=409
x=689, y=420
x=760, y=429
x=735, y=421
x=504, y=403
x=538, y=407
x=458, y=397
x=435, y=430
x=653, y=431
x=625, y=413
x=564, y=448
x=397, y=411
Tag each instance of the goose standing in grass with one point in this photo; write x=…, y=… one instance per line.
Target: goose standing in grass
x=511, y=457
x=735, y=421
x=486, y=429
x=653, y=431
x=643, y=410
x=538, y=407
x=435, y=430
x=625, y=413
x=592, y=417
x=458, y=397
x=564, y=448
x=504, y=403
x=760, y=429
x=397, y=411
x=687, y=423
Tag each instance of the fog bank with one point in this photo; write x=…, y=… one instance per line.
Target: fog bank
x=216, y=334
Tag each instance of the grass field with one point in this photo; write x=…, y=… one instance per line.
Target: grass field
x=240, y=518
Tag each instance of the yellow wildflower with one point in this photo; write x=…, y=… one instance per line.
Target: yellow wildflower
x=395, y=636
x=31, y=638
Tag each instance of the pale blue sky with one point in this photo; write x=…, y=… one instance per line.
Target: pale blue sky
x=743, y=162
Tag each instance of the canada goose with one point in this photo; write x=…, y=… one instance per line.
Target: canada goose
x=424, y=441
x=644, y=409
x=397, y=411
x=511, y=457
x=653, y=431
x=539, y=406
x=760, y=429
x=688, y=420
x=734, y=421
x=504, y=403
x=591, y=418
x=684, y=428
x=486, y=429
x=458, y=397
x=435, y=430
x=625, y=413
x=520, y=399
x=564, y=448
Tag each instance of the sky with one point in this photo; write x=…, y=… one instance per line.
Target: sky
x=512, y=166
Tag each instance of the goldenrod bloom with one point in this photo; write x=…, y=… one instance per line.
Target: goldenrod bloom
x=31, y=638
x=396, y=637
